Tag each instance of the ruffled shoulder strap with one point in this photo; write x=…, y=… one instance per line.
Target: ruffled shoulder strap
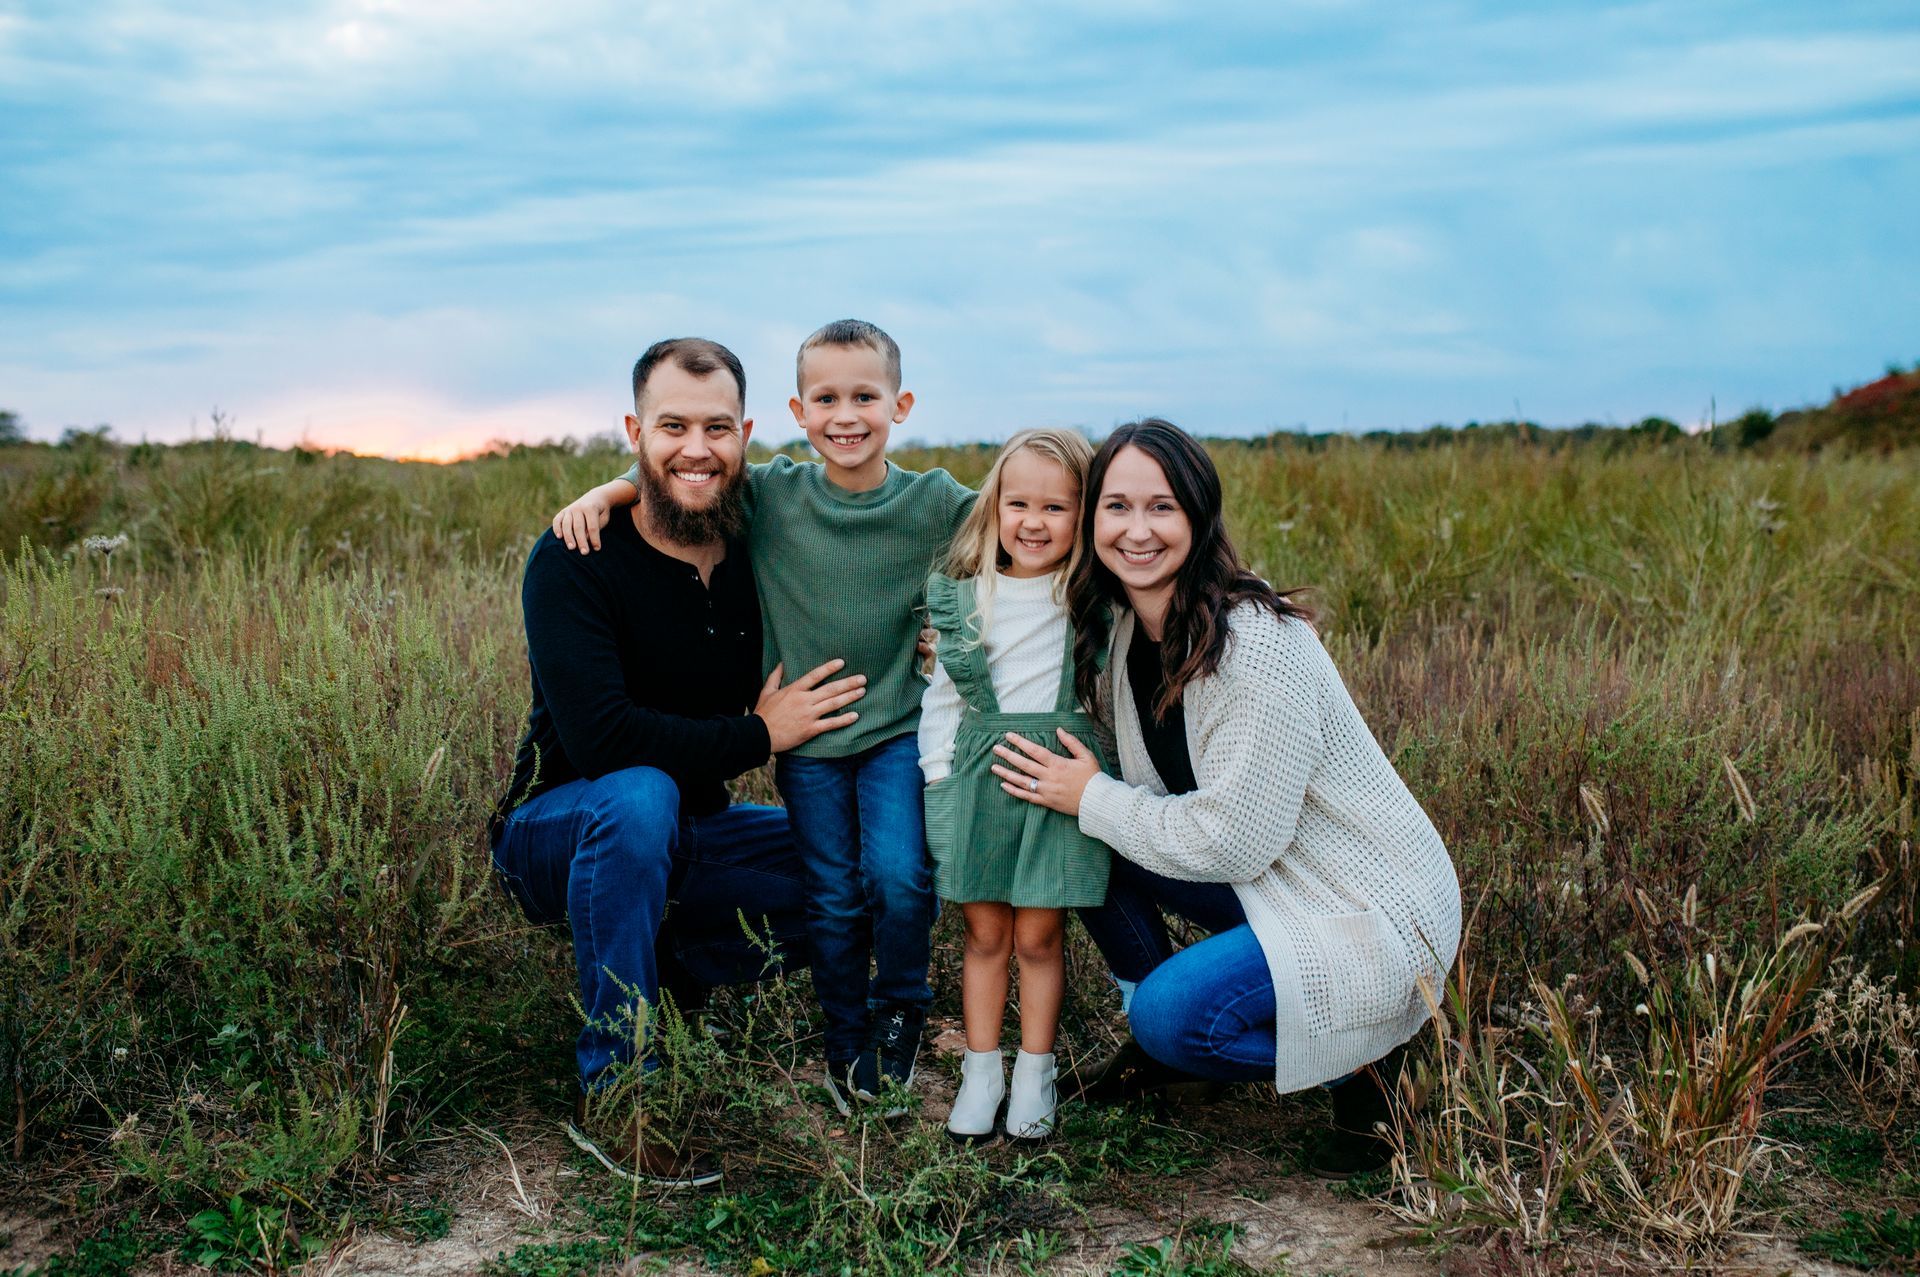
x=950, y=610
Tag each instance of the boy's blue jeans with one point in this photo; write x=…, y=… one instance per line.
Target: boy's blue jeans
x=653, y=897
x=1207, y=1009
x=863, y=842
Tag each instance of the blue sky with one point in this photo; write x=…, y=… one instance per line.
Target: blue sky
x=412, y=225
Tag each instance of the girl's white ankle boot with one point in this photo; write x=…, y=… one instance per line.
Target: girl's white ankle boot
x=1030, y=1107
x=983, y=1084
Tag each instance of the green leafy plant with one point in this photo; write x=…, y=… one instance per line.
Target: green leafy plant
x=246, y=1237
x=1200, y=1250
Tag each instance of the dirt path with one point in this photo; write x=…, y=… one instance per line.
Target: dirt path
x=1293, y=1224
x=489, y=1191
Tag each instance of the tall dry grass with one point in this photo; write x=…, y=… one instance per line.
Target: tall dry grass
x=248, y=944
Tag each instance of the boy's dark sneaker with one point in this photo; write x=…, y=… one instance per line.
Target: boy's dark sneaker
x=1126, y=1075
x=839, y=1085
x=1362, y=1107
x=893, y=1048
x=621, y=1142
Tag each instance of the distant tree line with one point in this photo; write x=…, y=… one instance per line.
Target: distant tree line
x=1879, y=416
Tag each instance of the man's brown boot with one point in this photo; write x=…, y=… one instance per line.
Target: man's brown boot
x=619, y=1140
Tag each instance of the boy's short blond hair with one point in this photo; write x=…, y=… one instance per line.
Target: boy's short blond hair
x=849, y=332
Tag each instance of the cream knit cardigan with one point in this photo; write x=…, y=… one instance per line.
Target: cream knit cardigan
x=1343, y=878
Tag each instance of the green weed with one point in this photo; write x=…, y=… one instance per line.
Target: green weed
x=1201, y=1250
x=245, y=1237
x=1889, y=1239
x=1850, y=1153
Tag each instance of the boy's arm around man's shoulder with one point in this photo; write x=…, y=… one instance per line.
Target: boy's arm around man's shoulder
x=573, y=645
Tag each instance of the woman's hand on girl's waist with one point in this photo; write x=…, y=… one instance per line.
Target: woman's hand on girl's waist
x=1034, y=773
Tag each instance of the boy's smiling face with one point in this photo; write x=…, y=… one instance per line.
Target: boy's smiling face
x=848, y=405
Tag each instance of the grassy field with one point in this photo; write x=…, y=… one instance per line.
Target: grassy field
x=1662, y=702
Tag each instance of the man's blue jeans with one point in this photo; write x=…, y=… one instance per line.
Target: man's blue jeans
x=863, y=841
x=653, y=896
x=1207, y=1009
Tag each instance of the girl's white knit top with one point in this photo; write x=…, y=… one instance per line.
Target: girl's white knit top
x=1026, y=642
x=1343, y=878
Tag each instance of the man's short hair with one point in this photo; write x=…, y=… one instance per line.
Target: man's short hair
x=850, y=332
x=694, y=355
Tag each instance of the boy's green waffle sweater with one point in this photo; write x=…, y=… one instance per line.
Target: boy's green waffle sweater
x=844, y=574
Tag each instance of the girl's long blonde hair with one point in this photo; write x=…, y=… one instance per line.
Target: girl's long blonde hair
x=976, y=550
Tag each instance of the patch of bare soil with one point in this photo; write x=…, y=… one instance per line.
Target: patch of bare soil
x=500, y=1188
x=1289, y=1225
x=25, y=1240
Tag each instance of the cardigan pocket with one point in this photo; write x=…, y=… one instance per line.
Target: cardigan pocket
x=1361, y=952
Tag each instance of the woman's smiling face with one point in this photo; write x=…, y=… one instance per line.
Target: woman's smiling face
x=1140, y=532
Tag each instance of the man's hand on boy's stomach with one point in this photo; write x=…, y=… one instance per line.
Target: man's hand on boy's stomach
x=809, y=705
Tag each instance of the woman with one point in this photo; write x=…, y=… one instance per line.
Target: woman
x=1252, y=800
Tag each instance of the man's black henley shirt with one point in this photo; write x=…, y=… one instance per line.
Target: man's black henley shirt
x=638, y=664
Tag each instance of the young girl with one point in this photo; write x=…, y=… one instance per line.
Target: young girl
x=1006, y=666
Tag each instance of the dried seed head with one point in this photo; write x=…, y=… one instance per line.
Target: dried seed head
x=1742, y=796
x=433, y=766
x=1852, y=908
x=1799, y=931
x=1596, y=807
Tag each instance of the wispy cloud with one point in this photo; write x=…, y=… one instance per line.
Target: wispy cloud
x=462, y=212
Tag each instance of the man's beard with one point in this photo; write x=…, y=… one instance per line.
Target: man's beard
x=721, y=519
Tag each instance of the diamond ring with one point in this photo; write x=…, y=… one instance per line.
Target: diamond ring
x=1033, y=785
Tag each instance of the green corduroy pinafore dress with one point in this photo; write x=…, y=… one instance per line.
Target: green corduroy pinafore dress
x=987, y=844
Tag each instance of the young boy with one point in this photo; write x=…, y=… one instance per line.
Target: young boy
x=841, y=551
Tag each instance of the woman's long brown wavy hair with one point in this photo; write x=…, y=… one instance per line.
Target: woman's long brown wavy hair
x=1209, y=584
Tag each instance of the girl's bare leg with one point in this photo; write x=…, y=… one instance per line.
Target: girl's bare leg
x=1038, y=943
x=983, y=972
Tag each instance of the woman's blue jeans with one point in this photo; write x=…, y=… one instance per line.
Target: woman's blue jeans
x=655, y=898
x=1207, y=1009
x=862, y=836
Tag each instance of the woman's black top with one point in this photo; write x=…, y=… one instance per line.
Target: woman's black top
x=1166, y=740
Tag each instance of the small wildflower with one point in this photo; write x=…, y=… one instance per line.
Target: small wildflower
x=105, y=546
x=109, y=592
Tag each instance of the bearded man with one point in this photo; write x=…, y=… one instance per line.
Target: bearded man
x=647, y=699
